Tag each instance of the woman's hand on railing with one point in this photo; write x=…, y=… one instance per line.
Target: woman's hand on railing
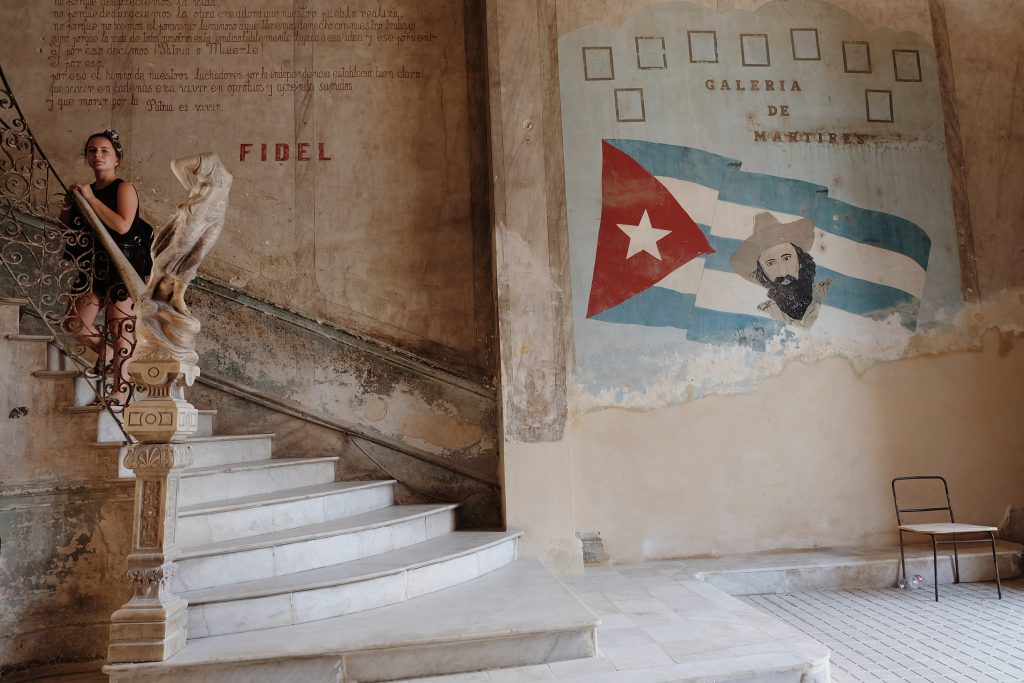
x=84, y=188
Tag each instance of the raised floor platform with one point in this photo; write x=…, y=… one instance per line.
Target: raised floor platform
x=676, y=621
x=513, y=615
x=669, y=621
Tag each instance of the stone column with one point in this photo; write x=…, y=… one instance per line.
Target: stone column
x=151, y=625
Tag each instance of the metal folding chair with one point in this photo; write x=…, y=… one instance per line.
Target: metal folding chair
x=942, y=529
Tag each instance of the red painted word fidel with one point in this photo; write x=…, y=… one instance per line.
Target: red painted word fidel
x=281, y=151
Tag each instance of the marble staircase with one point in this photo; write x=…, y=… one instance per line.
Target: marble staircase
x=287, y=569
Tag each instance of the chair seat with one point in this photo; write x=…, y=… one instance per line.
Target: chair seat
x=946, y=528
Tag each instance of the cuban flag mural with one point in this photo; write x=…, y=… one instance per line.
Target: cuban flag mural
x=747, y=188
x=688, y=239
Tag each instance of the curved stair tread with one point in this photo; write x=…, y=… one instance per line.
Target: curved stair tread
x=517, y=601
x=56, y=374
x=31, y=337
x=288, y=495
x=447, y=547
x=368, y=520
x=226, y=437
x=214, y=438
x=252, y=464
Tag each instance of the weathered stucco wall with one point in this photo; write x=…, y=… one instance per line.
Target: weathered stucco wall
x=988, y=66
x=354, y=268
x=326, y=373
x=799, y=451
x=65, y=520
x=806, y=460
x=62, y=574
x=354, y=134
x=357, y=138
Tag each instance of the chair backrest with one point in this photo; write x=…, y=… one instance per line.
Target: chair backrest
x=900, y=511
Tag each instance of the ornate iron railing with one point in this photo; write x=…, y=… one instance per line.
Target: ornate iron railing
x=59, y=268
x=52, y=258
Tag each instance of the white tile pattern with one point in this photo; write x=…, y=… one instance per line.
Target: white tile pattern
x=894, y=635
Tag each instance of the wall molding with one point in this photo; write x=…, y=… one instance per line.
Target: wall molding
x=40, y=494
x=331, y=331
x=298, y=411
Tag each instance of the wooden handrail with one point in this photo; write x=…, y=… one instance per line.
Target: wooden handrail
x=132, y=280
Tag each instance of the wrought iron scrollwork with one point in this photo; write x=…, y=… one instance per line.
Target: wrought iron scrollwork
x=51, y=258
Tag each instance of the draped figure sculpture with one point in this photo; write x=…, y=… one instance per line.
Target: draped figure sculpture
x=166, y=329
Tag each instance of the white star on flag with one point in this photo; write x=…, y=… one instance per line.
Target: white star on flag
x=643, y=237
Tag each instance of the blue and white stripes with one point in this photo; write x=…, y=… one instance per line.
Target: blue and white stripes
x=877, y=262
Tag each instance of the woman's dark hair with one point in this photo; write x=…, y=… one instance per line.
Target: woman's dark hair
x=111, y=136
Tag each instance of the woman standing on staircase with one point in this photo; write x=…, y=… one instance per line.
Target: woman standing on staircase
x=116, y=203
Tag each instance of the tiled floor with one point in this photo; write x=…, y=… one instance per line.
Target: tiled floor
x=894, y=635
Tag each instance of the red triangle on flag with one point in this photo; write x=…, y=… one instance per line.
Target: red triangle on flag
x=632, y=197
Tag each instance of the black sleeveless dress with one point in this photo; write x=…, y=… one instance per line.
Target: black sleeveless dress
x=134, y=244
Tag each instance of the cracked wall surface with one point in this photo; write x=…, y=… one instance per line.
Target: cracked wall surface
x=62, y=574
x=377, y=223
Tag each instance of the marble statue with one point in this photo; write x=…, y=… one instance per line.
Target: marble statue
x=166, y=329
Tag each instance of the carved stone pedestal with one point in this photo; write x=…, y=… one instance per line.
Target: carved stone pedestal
x=151, y=625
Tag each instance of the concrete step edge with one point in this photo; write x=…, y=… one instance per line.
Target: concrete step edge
x=335, y=527
x=254, y=465
x=55, y=374
x=229, y=437
x=394, y=637
x=30, y=337
x=286, y=496
x=315, y=579
x=919, y=553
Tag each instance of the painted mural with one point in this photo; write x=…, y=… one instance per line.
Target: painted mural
x=744, y=188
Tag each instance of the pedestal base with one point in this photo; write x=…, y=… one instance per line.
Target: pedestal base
x=147, y=633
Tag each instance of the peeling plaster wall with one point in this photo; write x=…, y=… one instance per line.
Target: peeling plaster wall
x=806, y=460
x=359, y=209
x=328, y=374
x=62, y=574
x=361, y=459
x=801, y=456
x=65, y=521
x=380, y=227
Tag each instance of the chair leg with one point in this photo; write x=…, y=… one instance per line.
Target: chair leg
x=903, y=561
x=956, y=562
x=995, y=563
x=935, y=567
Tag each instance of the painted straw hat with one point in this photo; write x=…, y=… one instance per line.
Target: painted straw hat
x=768, y=232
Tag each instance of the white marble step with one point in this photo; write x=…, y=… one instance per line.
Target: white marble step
x=208, y=450
x=235, y=480
x=29, y=338
x=363, y=584
x=205, y=424
x=10, y=314
x=310, y=547
x=27, y=350
x=515, y=616
x=279, y=510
